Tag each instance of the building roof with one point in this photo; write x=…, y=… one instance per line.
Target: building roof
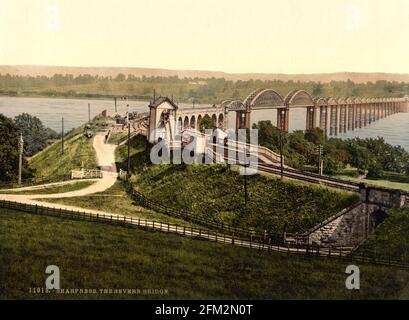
x=161, y=100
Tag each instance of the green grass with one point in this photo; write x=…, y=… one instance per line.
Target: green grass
x=92, y=255
x=116, y=200
x=54, y=189
x=115, y=137
x=391, y=238
x=217, y=192
x=381, y=183
x=78, y=152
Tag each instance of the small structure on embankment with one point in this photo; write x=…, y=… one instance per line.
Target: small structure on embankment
x=351, y=226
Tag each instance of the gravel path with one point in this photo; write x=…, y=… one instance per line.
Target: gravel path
x=106, y=160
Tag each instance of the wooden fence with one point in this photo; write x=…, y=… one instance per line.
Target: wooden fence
x=86, y=174
x=206, y=234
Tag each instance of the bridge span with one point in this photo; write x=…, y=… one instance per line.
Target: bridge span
x=333, y=115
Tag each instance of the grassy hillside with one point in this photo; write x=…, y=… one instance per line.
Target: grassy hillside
x=117, y=200
x=53, y=188
x=217, y=192
x=95, y=256
x=78, y=152
x=391, y=238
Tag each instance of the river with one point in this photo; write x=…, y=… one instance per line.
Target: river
x=395, y=129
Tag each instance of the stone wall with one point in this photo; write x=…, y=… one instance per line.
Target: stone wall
x=352, y=225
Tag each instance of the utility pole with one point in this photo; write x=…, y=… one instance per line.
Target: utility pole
x=20, y=159
x=116, y=109
x=89, y=113
x=281, y=154
x=319, y=149
x=62, y=135
x=129, y=150
x=246, y=165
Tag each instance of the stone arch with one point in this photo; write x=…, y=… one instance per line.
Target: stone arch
x=214, y=120
x=193, y=122
x=180, y=124
x=299, y=98
x=199, y=119
x=186, y=122
x=221, y=120
x=377, y=217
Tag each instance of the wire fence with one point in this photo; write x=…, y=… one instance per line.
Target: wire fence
x=209, y=235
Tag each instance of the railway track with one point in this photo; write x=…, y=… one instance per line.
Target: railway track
x=297, y=174
x=309, y=177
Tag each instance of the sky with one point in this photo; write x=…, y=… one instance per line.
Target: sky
x=268, y=36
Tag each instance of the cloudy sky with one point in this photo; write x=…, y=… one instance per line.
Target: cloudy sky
x=286, y=36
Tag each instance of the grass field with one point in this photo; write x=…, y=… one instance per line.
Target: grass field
x=94, y=256
x=381, y=183
x=54, y=188
x=116, y=200
x=217, y=192
x=116, y=137
x=391, y=238
x=78, y=152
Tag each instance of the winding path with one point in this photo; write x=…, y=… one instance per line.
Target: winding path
x=106, y=160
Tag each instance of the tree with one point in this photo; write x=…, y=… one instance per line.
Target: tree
x=120, y=77
x=9, y=155
x=36, y=136
x=205, y=123
x=374, y=170
x=315, y=135
x=317, y=89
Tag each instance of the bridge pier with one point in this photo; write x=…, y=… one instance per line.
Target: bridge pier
x=283, y=119
x=311, y=119
x=243, y=120
x=334, y=121
x=324, y=119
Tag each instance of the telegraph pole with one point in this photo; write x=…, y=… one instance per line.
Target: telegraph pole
x=129, y=150
x=320, y=162
x=20, y=159
x=89, y=112
x=281, y=155
x=62, y=136
x=116, y=109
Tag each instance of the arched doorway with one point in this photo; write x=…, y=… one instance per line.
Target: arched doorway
x=193, y=122
x=214, y=121
x=221, y=120
x=186, y=123
x=180, y=124
x=377, y=217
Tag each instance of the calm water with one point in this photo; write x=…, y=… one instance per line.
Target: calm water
x=394, y=129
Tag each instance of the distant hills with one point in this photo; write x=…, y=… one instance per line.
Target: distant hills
x=357, y=77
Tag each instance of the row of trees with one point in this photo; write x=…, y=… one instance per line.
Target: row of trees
x=36, y=137
x=371, y=156
x=209, y=90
